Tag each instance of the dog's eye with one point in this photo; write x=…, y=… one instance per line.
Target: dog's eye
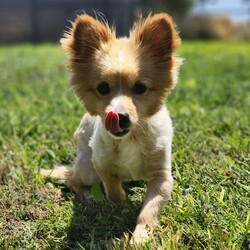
x=103, y=88
x=139, y=88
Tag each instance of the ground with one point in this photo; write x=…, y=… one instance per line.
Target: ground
x=210, y=106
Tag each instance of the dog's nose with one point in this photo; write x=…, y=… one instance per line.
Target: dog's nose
x=124, y=120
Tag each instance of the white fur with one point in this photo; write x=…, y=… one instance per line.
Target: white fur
x=127, y=157
x=117, y=104
x=122, y=157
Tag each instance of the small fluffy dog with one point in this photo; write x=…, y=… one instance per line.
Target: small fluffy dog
x=126, y=133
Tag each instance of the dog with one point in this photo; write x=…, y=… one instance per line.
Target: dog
x=127, y=132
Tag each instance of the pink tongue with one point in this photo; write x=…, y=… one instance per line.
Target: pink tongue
x=112, y=122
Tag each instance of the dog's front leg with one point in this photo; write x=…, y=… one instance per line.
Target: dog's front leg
x=159, y=189
x=112, y=185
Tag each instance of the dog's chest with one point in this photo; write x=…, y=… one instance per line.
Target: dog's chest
x=128, y=161
x=124, y=159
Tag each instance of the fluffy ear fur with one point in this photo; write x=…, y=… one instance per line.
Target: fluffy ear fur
x=85, y=37
x=157, y=34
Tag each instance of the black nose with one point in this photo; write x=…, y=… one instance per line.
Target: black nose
x=124, y=121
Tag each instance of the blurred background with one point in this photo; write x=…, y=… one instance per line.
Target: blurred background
x=37, y=21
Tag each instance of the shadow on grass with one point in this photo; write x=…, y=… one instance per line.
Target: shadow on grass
x=96, y=225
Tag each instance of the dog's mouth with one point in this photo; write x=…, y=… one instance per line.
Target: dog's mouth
x=114, y=125
x=120, y=134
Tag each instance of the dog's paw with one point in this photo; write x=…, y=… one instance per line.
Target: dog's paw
x=81, y=190
x=140, y=235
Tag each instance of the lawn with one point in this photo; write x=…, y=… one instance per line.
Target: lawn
x=210, y=110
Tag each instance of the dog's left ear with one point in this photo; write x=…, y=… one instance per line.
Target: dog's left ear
x=157, y=35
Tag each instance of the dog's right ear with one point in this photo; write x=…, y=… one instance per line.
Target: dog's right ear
x=85, y=37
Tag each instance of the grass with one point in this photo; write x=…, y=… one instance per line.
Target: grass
x=210, y=109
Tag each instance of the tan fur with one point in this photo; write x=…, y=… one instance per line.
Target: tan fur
x=113, y=186
x=58, y=172
x=148, y=54
x=95, y=56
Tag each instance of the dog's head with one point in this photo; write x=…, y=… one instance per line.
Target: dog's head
x=123, y=80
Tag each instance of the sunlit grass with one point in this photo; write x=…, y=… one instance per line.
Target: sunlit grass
x=210, y=110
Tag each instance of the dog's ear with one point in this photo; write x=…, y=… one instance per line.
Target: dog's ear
x=85, y=37
x=158, y=35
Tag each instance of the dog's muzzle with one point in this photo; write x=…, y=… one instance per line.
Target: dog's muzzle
x=117, y=123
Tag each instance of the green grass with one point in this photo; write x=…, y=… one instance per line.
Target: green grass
x=210, y=110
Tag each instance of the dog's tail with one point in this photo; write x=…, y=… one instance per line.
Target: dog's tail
x=59, y=172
